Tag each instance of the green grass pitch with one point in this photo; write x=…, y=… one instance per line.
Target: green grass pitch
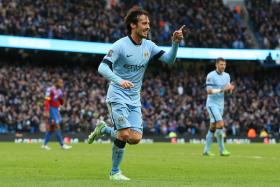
x=159, y=164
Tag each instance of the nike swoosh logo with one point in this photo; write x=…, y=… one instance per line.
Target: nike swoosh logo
x=128, y=56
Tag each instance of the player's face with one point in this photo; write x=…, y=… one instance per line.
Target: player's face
x=143, y=26
x=221, y=66
x=59, y=83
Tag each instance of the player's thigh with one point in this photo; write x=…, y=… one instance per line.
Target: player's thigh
x=220, y=123
x=135, y=120
x=55, y=116
x=214, y=114
x=119, y=113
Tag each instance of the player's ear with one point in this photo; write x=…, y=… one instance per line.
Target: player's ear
x=132, y=25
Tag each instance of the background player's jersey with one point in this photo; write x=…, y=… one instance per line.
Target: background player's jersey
x=53, y=97
x=129, y=62
x=216, y=80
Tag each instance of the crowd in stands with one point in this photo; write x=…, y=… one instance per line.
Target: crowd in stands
x=172, y=99
x=209, y=23
x=265, y=16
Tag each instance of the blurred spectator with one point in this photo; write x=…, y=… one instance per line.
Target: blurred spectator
x=252, y=133
x=263, y=133
x=269, y=60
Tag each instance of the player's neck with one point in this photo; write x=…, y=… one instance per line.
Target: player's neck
x=135, y=39
x=219, y=72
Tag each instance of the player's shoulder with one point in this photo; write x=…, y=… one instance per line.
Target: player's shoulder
x=226, y=74
x=118, y=46
x=211, y=73
x=148, y=42
x=50, y=88
x=121, y=42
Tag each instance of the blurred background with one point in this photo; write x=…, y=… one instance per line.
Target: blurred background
x=244, y=32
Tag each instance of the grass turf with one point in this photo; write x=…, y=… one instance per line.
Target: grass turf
x=159, y=164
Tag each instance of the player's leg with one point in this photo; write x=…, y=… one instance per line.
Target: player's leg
x=120, y=113
x=118, y=149
x=212, y=112
x=102, y=129
x=134, y=136
x=58, y=120
x=60, y=138
x=58, y=134
x=209, y=140
x=136, y=130
x=220, y=134
x=48, y=134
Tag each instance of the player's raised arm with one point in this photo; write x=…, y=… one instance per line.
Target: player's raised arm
x=178, y=35
x=170, y=56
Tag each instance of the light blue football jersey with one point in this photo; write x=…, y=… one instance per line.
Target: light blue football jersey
x=216, y=80
x=129, y=62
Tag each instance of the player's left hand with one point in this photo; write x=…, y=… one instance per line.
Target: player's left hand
x=232, y=86
x=229, y=88
x=178, y=35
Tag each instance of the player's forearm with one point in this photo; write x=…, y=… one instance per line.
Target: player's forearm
x=215, y=91
x=170, y=56
x=106, y=72
x=47, y=105
x=61, y=101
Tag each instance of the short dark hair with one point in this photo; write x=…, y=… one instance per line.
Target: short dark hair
x=220, y=59
x=132, y=16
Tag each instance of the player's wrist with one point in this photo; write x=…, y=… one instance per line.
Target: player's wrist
x=175, y=42
x=215, y=91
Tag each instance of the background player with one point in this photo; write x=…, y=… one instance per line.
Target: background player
x=53, y=100
x=217, y=83
x=129, y=57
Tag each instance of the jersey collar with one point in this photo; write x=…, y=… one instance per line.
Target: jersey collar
x=218, y=72
x=134, y=41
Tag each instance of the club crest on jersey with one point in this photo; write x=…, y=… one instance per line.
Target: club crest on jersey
x=146, y=54
x=110, y=53
x=121, y=120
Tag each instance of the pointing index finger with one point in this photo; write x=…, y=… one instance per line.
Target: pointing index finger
x=182, y=27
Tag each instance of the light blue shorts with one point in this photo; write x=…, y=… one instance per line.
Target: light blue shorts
x=126, y=116
x=215, y=113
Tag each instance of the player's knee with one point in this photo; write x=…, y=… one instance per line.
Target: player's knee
x=123, y=135
x=220, y=124
x=135, y=137
x=212, y=128
x=134, y=141
x=51, y=127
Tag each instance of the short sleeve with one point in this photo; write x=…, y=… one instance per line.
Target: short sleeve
x=209, y=82
x=48, y=94
x=156, y=52
x=113, y=54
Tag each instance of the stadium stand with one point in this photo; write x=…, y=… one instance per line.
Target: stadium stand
x=171, y=101
x=265, y=18
x=210, y=23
